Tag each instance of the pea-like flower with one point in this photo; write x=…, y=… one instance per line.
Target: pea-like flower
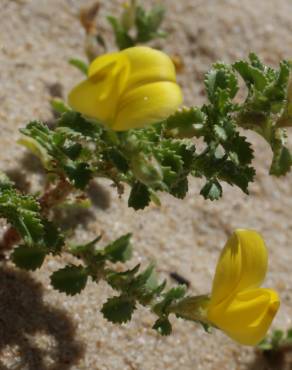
x=128, y=89
x=238, y=305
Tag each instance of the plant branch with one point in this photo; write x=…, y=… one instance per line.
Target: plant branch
x=48, y=200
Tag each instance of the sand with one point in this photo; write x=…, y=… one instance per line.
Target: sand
x=41, y=329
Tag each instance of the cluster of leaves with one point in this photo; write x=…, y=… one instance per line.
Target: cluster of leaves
x=133, y=287
x=39, y=236
x=136, y=25
x=265, y=105
x=161, y=157
x=228, y=155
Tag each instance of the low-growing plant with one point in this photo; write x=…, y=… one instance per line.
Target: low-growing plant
x=123, y=123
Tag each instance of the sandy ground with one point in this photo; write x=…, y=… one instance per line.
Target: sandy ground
x=43, y=330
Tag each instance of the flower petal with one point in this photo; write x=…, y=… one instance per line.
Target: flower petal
x=147, y=104
x=112, y=68
x=85, y=98
x=119, y=84
x=247, y=317
x=148, y=65
x=242, y=265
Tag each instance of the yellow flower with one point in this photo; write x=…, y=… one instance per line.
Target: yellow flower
x=128, y=89
x=237, y=305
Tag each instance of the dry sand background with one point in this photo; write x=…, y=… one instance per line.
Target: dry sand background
x=41, y=329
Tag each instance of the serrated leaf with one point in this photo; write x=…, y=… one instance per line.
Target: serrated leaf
x=23, y=212
x=118, y=309
x=180, y=189
x=251, y=74
x=84, y=248
x=70, y=279
x=139, y=196
x=115, y=156
x=221, y=84
x=242, y=148
x=28, y=258
x=220, y=133
x=240, y=177
x=212, y=190
x=53, y=239
x=121, y=280
x=163, y=326
x=119, y=250
x=79, y=173
x=79, y=125
x=185, y=123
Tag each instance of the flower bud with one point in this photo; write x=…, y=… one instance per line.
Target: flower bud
x=129, y=15
x=147, y=170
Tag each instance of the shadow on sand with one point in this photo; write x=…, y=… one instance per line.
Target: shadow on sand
x=33, y=334
x=273, y=360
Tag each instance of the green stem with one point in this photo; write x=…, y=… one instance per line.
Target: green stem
x=192, y=308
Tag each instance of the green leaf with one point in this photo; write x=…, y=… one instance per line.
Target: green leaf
x=121, y=280
x=115, y=156
x=79, y=64
x=59, y=106
x=118, y=309
x=282, y=162
x=168, y=298
x=251, y=75
x=28, y=258
x=239, y=176
x=147, y=170
x=212, y=190
x=180, y=189
x=289, y=334
x=185, y=123
x=23, y=212
x=85, y=249
x=53, y=239
x=265, y=345
x=277, y=337
x=79, y=125
x=123, y=39
x=148, y=23
x=241, y=147
x=139, y=197
x=119, y=250
x=163, y=326
x=70, y=279
x=5, y=182
x=36, y=149
x=221, y=80
x=79, y=173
